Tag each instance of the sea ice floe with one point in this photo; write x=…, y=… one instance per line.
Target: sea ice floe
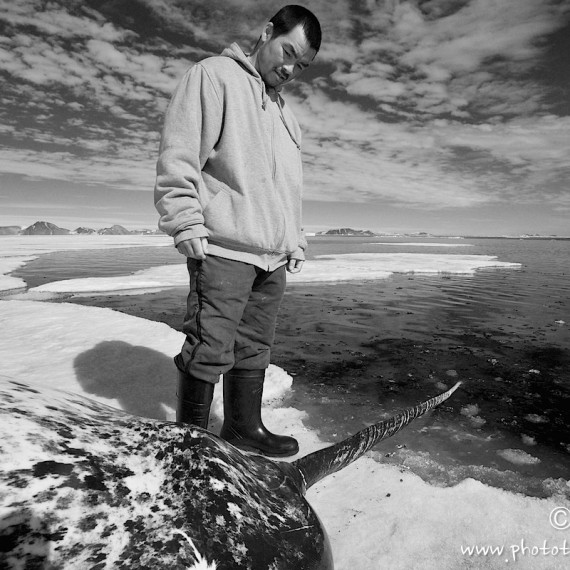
x=477, y=421
x=518, y=457
x=357, y=266
x=536, y=419
x=470, y=410
x=7, y=265
x=65, y=346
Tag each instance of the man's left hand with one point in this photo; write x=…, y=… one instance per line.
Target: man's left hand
x=294, y=265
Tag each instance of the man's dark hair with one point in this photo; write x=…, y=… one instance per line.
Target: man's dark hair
x=293, y=15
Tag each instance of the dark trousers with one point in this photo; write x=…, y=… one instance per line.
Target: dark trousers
x=231, y=315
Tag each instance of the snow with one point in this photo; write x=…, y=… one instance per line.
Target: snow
x=377, y=516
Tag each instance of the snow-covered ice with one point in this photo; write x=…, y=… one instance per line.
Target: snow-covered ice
x=377, y=516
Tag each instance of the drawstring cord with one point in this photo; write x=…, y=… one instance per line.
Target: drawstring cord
x=264, y=97
x=285, y=122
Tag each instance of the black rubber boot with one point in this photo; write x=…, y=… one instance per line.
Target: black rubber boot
x=194, y=400
x=242, y=416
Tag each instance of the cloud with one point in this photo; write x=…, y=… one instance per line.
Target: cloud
x=435, y=164
x=51, y=20
x=129, y=171
x=367, y=160
x=430, y=59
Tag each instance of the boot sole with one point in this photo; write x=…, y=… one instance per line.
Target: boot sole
x=258, y=451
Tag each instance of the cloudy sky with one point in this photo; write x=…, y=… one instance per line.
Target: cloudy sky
x=446, y=116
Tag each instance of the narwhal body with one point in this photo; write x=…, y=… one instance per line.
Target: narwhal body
x=83, y=485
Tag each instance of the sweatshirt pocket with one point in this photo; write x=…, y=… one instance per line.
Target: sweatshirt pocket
x=235, y=220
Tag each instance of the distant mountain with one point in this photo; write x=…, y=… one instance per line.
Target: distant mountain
x=10, y=230
x=47, y=228
x=115, y=230
x=348, y=232
x=44, y=229
x=83, y=230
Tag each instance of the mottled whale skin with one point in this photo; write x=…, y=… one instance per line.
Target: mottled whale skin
x=86, y=486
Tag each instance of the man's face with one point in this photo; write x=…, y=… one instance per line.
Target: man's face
x=282, y=59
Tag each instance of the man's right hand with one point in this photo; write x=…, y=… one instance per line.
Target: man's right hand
x=196, y=248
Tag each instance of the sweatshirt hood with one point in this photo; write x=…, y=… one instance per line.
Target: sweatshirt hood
x=235, y=52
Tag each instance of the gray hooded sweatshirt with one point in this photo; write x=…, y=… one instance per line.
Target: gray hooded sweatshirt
x=229, y=164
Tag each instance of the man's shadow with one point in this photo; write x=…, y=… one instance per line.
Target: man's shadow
x=141, y=379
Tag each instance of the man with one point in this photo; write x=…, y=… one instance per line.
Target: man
x=228, y=189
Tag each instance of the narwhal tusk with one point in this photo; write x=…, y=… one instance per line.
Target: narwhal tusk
x=321, y=463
